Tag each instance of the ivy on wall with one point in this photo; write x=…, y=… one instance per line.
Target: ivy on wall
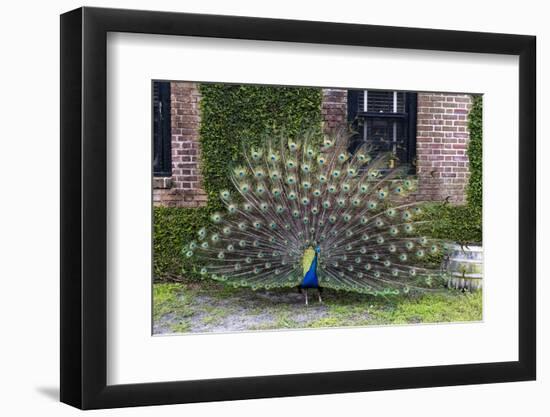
x=172, y=227
x=231, y=116
x=237, y=115
x=475, y=155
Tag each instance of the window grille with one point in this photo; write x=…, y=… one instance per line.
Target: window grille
x=385, y=121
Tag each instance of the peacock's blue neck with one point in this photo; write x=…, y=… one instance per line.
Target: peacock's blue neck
x=310, y=279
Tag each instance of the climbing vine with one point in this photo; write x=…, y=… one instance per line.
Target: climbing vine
x=237, y=115
x=172, y=227
x=475, y=155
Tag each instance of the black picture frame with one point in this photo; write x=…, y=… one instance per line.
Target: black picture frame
x=84, y=207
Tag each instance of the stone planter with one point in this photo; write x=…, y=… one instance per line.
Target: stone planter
x=464, y=267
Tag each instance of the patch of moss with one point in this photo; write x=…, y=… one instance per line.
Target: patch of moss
x=181, y=327
x=215, y=314
x=325, y=322
x=283, y=320
x=168, y=298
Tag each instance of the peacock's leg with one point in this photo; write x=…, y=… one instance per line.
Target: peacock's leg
x=306, y=296
x=320, y=290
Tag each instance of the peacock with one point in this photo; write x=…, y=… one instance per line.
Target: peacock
x=307, y=213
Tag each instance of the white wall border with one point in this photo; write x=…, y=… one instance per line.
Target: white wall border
x=135, y=356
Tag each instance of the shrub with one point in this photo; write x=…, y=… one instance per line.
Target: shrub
x=172, y=228
x=458, y=223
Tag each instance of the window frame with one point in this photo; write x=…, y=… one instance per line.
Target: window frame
x=409, y=118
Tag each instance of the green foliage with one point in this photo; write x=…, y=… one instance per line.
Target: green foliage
x=232, y=116
x=458, y=223
x=475, y=154
x=463, y=224
x=172, y=228
x=237, y=115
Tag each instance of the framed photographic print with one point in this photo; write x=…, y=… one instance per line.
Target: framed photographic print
x=257, y=208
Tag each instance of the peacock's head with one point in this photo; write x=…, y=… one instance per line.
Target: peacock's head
x=317, y=249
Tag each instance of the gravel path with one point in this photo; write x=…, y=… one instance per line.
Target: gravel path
x=242, y=311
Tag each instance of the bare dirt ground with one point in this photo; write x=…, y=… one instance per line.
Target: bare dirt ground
x=246, y=310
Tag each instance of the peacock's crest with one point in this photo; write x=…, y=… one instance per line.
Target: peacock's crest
x=291, y=196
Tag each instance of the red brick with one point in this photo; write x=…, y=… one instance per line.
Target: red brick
x=441, y=150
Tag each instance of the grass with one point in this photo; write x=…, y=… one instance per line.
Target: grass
x=433, y=308
x=169, y=299
x=211, y=307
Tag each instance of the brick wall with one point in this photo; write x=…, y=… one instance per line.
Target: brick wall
x=441, y=144
x=183, y=188
x=442, y=141
x=334, y=108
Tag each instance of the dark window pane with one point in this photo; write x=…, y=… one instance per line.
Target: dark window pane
x=162, y=132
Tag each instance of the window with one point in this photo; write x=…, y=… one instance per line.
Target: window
x=162, y=132
x=386, y=122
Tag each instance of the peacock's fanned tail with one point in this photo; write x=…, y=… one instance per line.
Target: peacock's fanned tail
x=291, y=195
